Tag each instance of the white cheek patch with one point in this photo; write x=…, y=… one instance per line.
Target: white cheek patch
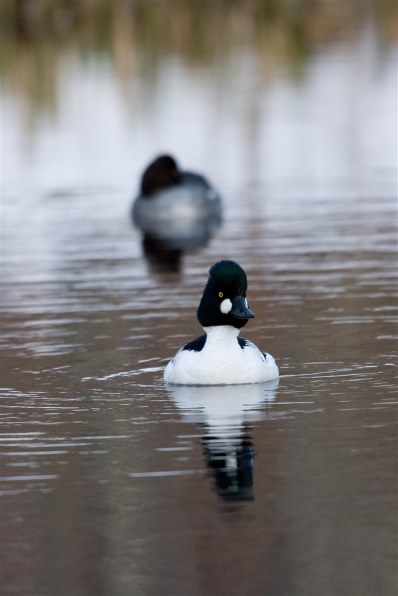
x=226, y=306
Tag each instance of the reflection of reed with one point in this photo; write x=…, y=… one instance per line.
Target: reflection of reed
x=137, y=35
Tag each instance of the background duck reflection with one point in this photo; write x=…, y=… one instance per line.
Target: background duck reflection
x=225, y=413
x=164, y=248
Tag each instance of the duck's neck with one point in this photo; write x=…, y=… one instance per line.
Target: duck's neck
x=221, y=332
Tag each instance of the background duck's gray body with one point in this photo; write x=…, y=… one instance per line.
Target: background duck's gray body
x=188, y=210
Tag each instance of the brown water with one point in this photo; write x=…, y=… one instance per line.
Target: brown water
x=112, y=483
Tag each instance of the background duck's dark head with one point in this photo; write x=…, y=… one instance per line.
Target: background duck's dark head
x=224, y=297
x=162, y=173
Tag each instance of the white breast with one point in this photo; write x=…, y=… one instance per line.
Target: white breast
x=221, y=362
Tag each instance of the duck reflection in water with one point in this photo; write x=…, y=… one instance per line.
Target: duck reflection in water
x=176, y=211
x=225, y=413
x=232, y=463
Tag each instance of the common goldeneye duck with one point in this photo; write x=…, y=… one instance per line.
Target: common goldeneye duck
x=173, y=202
x=220, y=357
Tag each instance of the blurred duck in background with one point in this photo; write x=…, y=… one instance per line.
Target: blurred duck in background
x=176, y=211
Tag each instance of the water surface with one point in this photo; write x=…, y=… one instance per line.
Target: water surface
x=112, y=483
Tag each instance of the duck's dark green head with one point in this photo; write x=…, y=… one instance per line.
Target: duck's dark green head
x=224, y=297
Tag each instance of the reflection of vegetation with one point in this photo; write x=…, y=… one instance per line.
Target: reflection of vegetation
x=137, y=34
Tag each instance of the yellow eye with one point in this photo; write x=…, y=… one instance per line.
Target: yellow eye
x=220, y=294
